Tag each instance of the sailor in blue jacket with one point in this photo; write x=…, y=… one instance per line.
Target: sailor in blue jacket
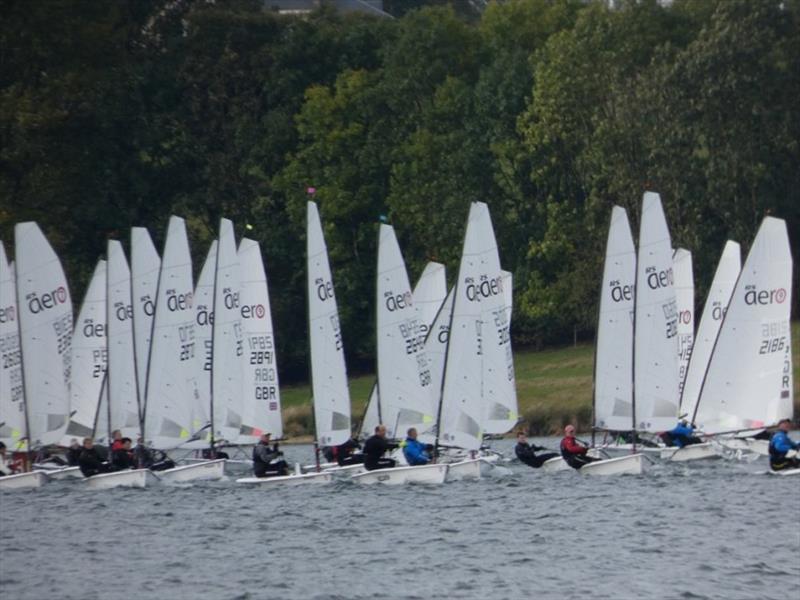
x=779, y=445
x=681, y=435
x=415, y=452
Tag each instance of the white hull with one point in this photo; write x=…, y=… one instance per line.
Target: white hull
x=202, y=471
x=346, y=469
x=691, y=452
x=555, y=464
x=467, y=469
x=64, y=473
x=21, y=481
x=785, y=473
x=427, y=474
x=615, y=450
x=295, y=479
x=633, y=464
x=138, y=478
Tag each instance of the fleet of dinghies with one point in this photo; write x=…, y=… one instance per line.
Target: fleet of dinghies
x=176, y=365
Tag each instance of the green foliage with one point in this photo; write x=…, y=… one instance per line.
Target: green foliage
x=115, y=114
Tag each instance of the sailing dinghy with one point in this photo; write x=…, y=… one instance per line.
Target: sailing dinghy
x=44, y=309
x=328, y=373
x=748, y=381
x=404, y=392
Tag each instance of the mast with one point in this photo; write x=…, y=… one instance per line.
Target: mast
x=212, y=440
x=152, y=335
x=310, y=349
x=22, y=372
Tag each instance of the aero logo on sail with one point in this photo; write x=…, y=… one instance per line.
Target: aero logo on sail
x=659, y=279
x=763, y=297
x=485, y=289
x=621, y=292
x=253, y=311
x=147, y=305
x=92, y=329
x=176, y=301
x=47, y=300
x=123, y=311
x=324, y=289
x=398, y=302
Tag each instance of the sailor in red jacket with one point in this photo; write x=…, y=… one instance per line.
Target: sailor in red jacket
x=573, y=451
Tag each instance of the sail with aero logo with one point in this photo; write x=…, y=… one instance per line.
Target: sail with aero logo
x=228, y=345
x=262, y=400
x=328, y=373
x=404, y=380
x=499, y=381
x=478, y=297
x=684, y=300
x=171, y=368
x=45, y=320
x=12, y=407
x=428, y=294
x=655, y=347
x=89, y=357
x=748, y=384
x=123, y=395
x=613, y=371
x=145, y=267
x=204, y=318
x=719, y=295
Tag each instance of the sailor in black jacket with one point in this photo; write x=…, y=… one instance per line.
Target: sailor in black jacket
x=527, y=452
x=374, y=449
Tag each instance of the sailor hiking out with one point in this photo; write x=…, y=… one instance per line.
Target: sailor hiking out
x=268, y=462
x=526, y=452
x=780, y=445
x=572, y=451
x=415, y=452
x=374, y=449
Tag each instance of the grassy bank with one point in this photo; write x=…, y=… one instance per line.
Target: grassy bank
x=553, y=387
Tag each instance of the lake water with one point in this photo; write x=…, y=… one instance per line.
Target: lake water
x=716, y=529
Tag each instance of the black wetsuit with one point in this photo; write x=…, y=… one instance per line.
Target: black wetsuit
x=527, y=453
x=91, y=464
x=73, y=456
x=374, y=449
x=122, y=459
x=266, y=461
x=345, y=453
x=155, y=460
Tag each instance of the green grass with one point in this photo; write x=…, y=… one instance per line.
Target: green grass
x=554, y=387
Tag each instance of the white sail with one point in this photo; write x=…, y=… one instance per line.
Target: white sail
x=101, y=433
x=613, y=375
x=171, y=384
x=145, y=267
x=428, y=295
x=499, y=381
x=684, y=300
x=719, y=295
x=371, y=416
x=748, y=384
x=89, y=357
x=328, y=373
x=227, y=354
x=204, y=319
x=121, y=376
x=404, y=381
x=479, y=298
x=12, y=407
x=45, y=319
x=438, y=337
x=656, y=323
x=261, y=392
